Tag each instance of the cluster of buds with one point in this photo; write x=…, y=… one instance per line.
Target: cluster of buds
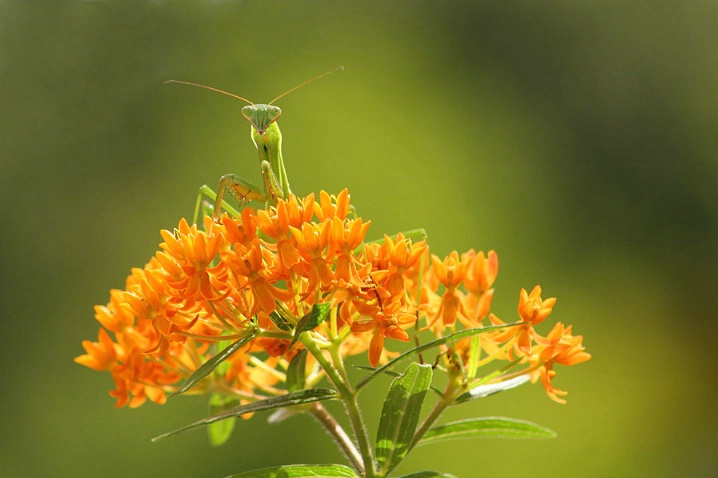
x=262, y=271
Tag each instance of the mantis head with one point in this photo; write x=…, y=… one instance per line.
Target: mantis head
x=261, y=116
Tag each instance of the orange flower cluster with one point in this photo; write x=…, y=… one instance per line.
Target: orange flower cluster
x=261, y=272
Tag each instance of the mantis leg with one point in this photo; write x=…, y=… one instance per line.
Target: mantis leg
x=241, y=189
x=206, y=207
x=271, y=183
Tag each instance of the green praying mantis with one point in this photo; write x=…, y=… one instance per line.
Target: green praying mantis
x=268, y=140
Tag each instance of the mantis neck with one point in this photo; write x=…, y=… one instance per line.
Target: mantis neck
x=269, y=147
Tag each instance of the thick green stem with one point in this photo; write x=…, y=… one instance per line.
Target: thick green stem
x=349, y=398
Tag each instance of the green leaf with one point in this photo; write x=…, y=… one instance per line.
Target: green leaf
x=300, y=471
x=401, y=414
x=212, y=363
x=296, y=372
x=310, y=321
x=429, y=474
x=281, y=322
x=491, y=427
x=294, y=398
x=219, y=432
x=485, y=390
x=433, y=343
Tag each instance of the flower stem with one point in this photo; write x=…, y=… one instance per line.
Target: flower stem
x=349, y=398
x=439, y=407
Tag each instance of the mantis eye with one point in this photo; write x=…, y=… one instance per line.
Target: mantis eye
x=249, y=112
x=274, y=112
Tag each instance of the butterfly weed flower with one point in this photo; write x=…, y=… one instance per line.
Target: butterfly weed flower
x=297, y=281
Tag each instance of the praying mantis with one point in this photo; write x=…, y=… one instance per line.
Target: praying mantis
x=267, y=139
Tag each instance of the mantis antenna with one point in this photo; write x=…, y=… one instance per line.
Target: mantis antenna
x=217, y=90
x=339, y=68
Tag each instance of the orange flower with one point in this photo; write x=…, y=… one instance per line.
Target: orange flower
x=558, y=347
x=327, y=209
x=480, y=275
x=532, y=310
x=193, y=251
x=114, y=317
x=263, y=270
x=138, y=379
x=480, y=272
x=240, y=232
x=312, y=242
x=253, y=274
x=101, y=355
x=394, y=261
x=275, y=223
x=385, y=321
x=450, y=273
x=344, y=238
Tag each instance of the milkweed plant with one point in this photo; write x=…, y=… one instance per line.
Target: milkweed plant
x=263, y=309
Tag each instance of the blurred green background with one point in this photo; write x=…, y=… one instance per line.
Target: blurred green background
x=578, y=139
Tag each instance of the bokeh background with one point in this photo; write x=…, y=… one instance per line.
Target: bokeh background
x=577, y=139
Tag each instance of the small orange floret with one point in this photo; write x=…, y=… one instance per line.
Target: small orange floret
x=560, y=346
x=450, y=273
x=532, y=309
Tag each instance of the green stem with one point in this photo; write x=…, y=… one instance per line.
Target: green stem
x=436, y=412
x=349, y=398
x=335, y=430
x=454, y=388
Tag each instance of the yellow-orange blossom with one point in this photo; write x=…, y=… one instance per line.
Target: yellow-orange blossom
x=211, y=285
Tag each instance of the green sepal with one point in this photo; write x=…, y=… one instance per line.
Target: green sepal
x=300, y=471
x=310, y=321
x=434, y=343
x=486, y=427
x=212, y=363
x=293, y=398
x=400, y=415
x=296, y=372
x=219, y=432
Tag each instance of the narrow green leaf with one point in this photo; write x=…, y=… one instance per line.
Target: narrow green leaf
x=300, y=471
x=491, y=427
x=293, y=398
x=429, y=474
x=219, y=432
x=212, y=363
x=310, y=321
x=296, y=372
x=433, y=343
x=485, y=390
x=281, y=322
x=401, y=414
